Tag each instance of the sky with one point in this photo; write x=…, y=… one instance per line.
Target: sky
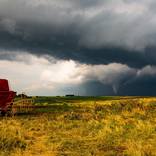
x=81, y=47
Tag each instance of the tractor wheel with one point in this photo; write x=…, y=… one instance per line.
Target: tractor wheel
x=3, y=113
x=10, y=111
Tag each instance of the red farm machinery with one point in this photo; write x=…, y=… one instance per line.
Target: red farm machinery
x=8, y=104
x=6, y=96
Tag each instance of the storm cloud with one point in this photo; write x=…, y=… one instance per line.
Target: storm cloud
x=93, y=32
x=99, y=34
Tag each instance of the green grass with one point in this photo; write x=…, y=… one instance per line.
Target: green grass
x=79, y=126
x=60, y=99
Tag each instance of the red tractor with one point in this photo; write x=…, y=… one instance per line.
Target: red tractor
x=6, y=96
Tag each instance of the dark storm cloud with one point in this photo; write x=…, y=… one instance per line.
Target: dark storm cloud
x=88, y=31
x=107, y=80
x=144, y=83
x=93, y=32
x=143, y=86
x=96, y=88
x=141, y=82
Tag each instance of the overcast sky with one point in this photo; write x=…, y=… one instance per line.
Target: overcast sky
x=82, y=47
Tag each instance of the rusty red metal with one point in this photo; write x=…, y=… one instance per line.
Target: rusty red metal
x=6, y=95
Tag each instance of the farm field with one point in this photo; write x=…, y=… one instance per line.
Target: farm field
x=82, y=126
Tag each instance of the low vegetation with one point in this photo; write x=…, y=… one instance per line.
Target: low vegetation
x=82, y=127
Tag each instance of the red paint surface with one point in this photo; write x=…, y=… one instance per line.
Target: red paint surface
x=6, y=96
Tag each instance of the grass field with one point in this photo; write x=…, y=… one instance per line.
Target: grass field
x=82, y=126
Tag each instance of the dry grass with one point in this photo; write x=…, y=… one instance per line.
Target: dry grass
x=122, y=127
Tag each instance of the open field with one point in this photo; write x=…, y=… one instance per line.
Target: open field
x=79, y=126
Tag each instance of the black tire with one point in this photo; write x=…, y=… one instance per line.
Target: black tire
x=3, y=113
